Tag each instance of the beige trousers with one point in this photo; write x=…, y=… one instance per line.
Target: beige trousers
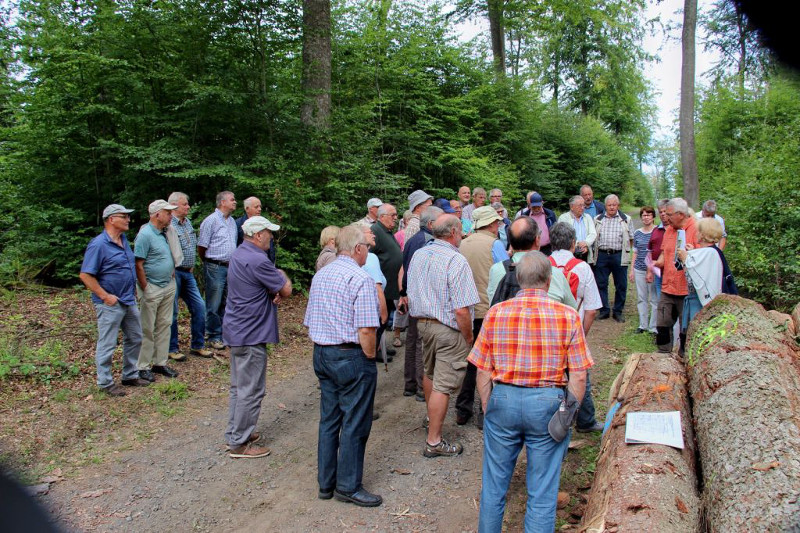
x=155, y=307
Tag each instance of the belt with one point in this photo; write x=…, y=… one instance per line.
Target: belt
x=609, y=251
x=344, y=345
x=426, y=319
x=183, y=269
x=216, y=261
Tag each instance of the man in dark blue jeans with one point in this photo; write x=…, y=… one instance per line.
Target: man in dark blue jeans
x=342, y=319
x=186, y=284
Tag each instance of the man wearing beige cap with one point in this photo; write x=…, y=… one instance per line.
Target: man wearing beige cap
x=255, y=287
x=372, y=212
x=417, y=201
x=482, y=249
x=155, y=273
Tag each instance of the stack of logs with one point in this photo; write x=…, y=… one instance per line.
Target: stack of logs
x=738, y=393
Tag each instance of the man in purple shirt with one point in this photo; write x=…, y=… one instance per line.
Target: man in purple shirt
x=255, y=286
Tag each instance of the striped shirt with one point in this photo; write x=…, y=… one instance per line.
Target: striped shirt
x=439, y=282
x=530, y=341
x=640, y=242
x=187, y=239
x=218, y=236
x=342, y=299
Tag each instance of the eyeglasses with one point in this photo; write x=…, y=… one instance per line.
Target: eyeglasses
x=121, y=216
x=391, y=215
x=496, y=196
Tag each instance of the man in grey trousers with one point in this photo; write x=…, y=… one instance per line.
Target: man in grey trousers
x=255, y=287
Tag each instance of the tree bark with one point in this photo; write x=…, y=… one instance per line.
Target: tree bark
x=686, y=118
x=316, y=108
x=744, y=378
x=498, y=36
x=645, y=487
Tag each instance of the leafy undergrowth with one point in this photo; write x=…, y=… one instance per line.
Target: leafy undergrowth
x=53, y=415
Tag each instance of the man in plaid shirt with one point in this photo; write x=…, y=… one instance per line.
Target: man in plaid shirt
x=529, y=349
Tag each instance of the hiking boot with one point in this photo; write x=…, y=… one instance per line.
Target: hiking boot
x=248, y=451
x=597, y=426
x=177, y=356
x=201, y=352
x=216, y=345
x=443, y=449
x=114, y=390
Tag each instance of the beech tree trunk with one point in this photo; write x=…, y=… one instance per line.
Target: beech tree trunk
x=744, y=377
x=498, y=36
x=686, y=114
x=316, y=109
x=645, y=487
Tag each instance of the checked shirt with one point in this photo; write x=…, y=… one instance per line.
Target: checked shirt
x=530, y=340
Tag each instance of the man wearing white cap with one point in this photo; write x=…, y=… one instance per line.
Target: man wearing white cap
x=255, y=286
x=417, y=201
x=108, y=271
x=155, y=273
x=372, y=212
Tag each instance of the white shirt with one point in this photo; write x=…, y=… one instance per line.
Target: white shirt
x=588, y=295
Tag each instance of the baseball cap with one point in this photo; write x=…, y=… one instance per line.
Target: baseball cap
x=374, y=202
x=483, y=216
x=255, y=224
x=158, y=205
x=444, y=205
x=115, y=209
x=536, y=200
x=417, y=197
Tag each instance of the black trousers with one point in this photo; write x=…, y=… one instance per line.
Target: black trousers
x=466, y=398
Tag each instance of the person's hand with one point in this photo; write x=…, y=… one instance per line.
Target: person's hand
x=278, y=299
x=689, y=246
x=402, y=305
x=470, y=340
x=582, y=247
x=630, y=275
x=649, y=277
x=368, y=356
x=682, y=254
x=110, y=300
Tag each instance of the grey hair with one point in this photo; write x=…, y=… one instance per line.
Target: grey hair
x=177, y=196
x=444, y=225
x=249, y=201
x=679, y=205
x=349, y=237
x=576, y=199
x=383, y=209
x=586, y=186
x=429, y=214
x=407, y=215
x=562, y=235
x=710, y=206
x=491, y=193
x=498, y=205
x=611, y=197
x=533, y=270
x=662, y=204
x=221, y=197
x=478, y=190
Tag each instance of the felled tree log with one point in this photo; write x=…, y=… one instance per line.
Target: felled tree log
x=745, y=384
x=645, y=487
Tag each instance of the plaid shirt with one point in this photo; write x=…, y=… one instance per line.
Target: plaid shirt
x=187, y=239
x=218, y=236
x=439, y=282
x=530, y=340
x=609, y=232
x=342, y=299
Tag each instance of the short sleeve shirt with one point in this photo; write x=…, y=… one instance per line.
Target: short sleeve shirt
x=640, y=242
x=559, y=287
x=253, y=281
x=373, y=268
x=218, y=236
x=188, y=240
x=113, y=266
x=152, y=246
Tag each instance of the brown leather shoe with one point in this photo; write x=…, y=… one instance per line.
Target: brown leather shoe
x=136, y=382
x=113, y=390
x=248, y=451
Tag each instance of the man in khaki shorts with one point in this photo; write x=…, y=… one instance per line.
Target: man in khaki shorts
x=442, y=295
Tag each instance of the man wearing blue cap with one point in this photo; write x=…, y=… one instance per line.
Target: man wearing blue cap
x=544, y=219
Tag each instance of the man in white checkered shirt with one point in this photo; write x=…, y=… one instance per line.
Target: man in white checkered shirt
x=441, y=295
x=611, y=256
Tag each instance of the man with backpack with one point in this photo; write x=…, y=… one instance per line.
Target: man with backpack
x=523, y=236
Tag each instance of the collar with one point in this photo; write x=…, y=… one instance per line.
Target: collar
x=539, y=293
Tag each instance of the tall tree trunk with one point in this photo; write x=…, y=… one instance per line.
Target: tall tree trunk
x=498, y=35
x=688, y=155
x=316, y=109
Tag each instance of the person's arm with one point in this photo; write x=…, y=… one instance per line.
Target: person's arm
x=722, y=242
x=92, y=284
x=285, y=291
x=366, y=338
x=140, y=275
x=630, y=267
x=201, y=251
x=660, y=261
x=464, y=321
x=384, y=311
x=484, y=386
x=588, y=320
x=577, y=384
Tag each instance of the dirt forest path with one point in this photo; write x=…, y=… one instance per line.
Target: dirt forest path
x=182, y=479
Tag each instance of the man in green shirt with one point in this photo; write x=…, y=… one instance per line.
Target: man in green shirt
x=523, y=236
x=390, y=256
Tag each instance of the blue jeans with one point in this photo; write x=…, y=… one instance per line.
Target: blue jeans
x=347, y=379
x=610, y=264
x=186, y=288
x=585, y=417
x=517, y=416
x=109, y=320
x=216, y=279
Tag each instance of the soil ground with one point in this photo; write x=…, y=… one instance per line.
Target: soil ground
x=155, y=459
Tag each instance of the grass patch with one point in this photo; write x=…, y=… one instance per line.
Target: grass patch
x=43, y=363
x=166, y=396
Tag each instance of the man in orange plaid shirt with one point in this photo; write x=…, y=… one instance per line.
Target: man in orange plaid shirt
x=528, y=350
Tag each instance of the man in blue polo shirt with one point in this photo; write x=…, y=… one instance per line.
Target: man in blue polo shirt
x=109, y=271
x=255, y=286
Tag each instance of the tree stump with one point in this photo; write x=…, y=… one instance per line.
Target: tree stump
x=745, y=385
x=645, y=487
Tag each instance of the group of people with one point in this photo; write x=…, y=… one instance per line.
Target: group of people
x=491, y=304
x=137, y=291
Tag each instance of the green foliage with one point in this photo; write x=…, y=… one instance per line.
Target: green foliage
x=44, y=363
x=748, y=146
